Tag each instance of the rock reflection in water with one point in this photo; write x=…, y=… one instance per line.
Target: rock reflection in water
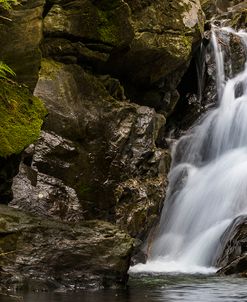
x=156, y=289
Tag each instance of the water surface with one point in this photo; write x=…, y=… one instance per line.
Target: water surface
x=154, y=288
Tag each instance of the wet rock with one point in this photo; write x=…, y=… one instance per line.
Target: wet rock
x=60, y=49
x=237, y=47
x=20, y=35
x=231, y=253
x=236, y=267
x=233, y=245
x=40, y=254
x=139, y=205
x=40, y=193
x=92, y=145
x=209, y=8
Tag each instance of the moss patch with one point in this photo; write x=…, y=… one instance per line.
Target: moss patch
x=21, y=117
x=50, y=68
x=108, y=30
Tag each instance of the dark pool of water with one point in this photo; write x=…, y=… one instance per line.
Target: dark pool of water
x=153, y=289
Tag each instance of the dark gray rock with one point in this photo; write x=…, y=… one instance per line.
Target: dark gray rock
x=39, y=254
x=232, y=250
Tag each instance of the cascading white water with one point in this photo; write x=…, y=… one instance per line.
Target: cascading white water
x=207, y=182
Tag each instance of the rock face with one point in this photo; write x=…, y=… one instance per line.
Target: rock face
x=232, y=253
x=20, y=35
x=28, y=242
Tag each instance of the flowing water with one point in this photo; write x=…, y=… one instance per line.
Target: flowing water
x=208, y=180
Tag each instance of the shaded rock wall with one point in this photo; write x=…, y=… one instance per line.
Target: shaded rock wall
x=20, y=35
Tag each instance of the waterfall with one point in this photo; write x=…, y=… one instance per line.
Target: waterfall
x=208, y=178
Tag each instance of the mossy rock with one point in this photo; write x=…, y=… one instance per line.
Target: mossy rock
x=21, y=117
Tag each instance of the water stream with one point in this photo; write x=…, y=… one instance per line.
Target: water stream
x=208, y=180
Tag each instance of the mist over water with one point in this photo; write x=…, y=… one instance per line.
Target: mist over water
x=208, y=180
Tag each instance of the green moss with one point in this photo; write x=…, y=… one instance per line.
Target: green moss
x=21, y=117
x=83, y=189
x=108, y=30
x=49, y=68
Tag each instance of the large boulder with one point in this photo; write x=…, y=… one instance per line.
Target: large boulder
x=21, y=33
x=164, y=35
x=39, y=254
x=91, y=147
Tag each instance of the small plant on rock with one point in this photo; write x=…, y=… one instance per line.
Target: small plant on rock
x=7, y=4
x=5, y=71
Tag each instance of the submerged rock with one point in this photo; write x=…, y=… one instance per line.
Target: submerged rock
x=39, y=254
